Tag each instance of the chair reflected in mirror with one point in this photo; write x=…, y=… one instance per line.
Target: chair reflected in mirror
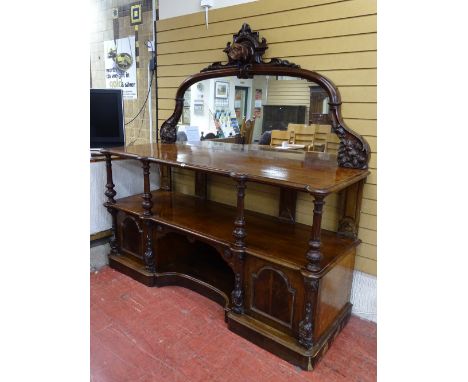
x=280, y=136
x=303, y=135
x=314, y=137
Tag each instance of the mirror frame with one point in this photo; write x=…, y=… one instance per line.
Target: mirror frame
x=244, y=61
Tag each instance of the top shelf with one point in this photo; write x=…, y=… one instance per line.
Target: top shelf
x=316, y=173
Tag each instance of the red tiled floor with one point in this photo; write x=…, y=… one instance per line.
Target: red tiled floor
x=143, y=334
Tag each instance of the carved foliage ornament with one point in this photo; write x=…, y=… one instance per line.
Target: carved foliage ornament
x=306, y=328
x=247, y=49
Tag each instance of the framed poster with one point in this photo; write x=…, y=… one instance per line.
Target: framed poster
x=120, y=66
x=221, y=89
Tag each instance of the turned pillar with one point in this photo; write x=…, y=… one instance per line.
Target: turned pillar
x=147, y=204
x=313, y=255
x=110, y=193
x=239, y=233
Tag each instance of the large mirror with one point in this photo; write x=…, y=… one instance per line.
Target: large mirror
x=281, y=112
x=273, y=104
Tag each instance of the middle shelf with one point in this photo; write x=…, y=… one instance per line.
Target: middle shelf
x=267, y=236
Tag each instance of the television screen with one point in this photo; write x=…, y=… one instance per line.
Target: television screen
x=106, y=118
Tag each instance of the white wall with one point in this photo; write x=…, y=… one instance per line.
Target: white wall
x=364, y=296
x=173, y=8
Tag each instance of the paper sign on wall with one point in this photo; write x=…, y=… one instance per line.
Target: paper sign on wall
x=193, y=133
x=120, y=66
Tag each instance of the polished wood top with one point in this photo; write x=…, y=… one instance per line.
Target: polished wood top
x=317, y=173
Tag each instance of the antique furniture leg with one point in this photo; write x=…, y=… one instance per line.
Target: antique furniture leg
x=352, y=199
x=147, y=204
x=313, y=254
x=237, y=295
x=110, y=193
x=306, y=326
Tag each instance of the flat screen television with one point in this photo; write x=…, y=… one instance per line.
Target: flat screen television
x=106, y=118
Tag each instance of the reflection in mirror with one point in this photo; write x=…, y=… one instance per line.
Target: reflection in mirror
x=278, y=112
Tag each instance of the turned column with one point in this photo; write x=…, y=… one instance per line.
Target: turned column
x=147, y=204
x=110, y=193
x=314, y=255
x=237, y=295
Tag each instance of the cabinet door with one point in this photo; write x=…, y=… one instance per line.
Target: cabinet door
x=130, y=235
x=273, y=294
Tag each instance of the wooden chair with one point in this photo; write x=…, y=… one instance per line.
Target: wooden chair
x=303, y=134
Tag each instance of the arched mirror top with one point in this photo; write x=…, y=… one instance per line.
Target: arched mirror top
x=245, y=62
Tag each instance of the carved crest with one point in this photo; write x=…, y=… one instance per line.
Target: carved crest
x=245, y=50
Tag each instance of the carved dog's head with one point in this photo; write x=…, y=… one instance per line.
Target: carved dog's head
x=238, y=52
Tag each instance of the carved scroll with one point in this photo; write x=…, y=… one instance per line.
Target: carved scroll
x=168, y=132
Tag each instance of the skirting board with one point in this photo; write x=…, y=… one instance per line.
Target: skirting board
x=364, y=296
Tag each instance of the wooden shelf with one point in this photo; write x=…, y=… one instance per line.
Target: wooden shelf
x=214, y=220
x=317, y=173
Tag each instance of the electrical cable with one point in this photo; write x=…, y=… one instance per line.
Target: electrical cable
x=141, y=126
x=146, y=100
x=143, y=107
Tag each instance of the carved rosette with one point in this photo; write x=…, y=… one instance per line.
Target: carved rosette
x=306, y=326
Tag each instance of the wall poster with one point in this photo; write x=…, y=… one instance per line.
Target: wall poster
x=120, y=66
